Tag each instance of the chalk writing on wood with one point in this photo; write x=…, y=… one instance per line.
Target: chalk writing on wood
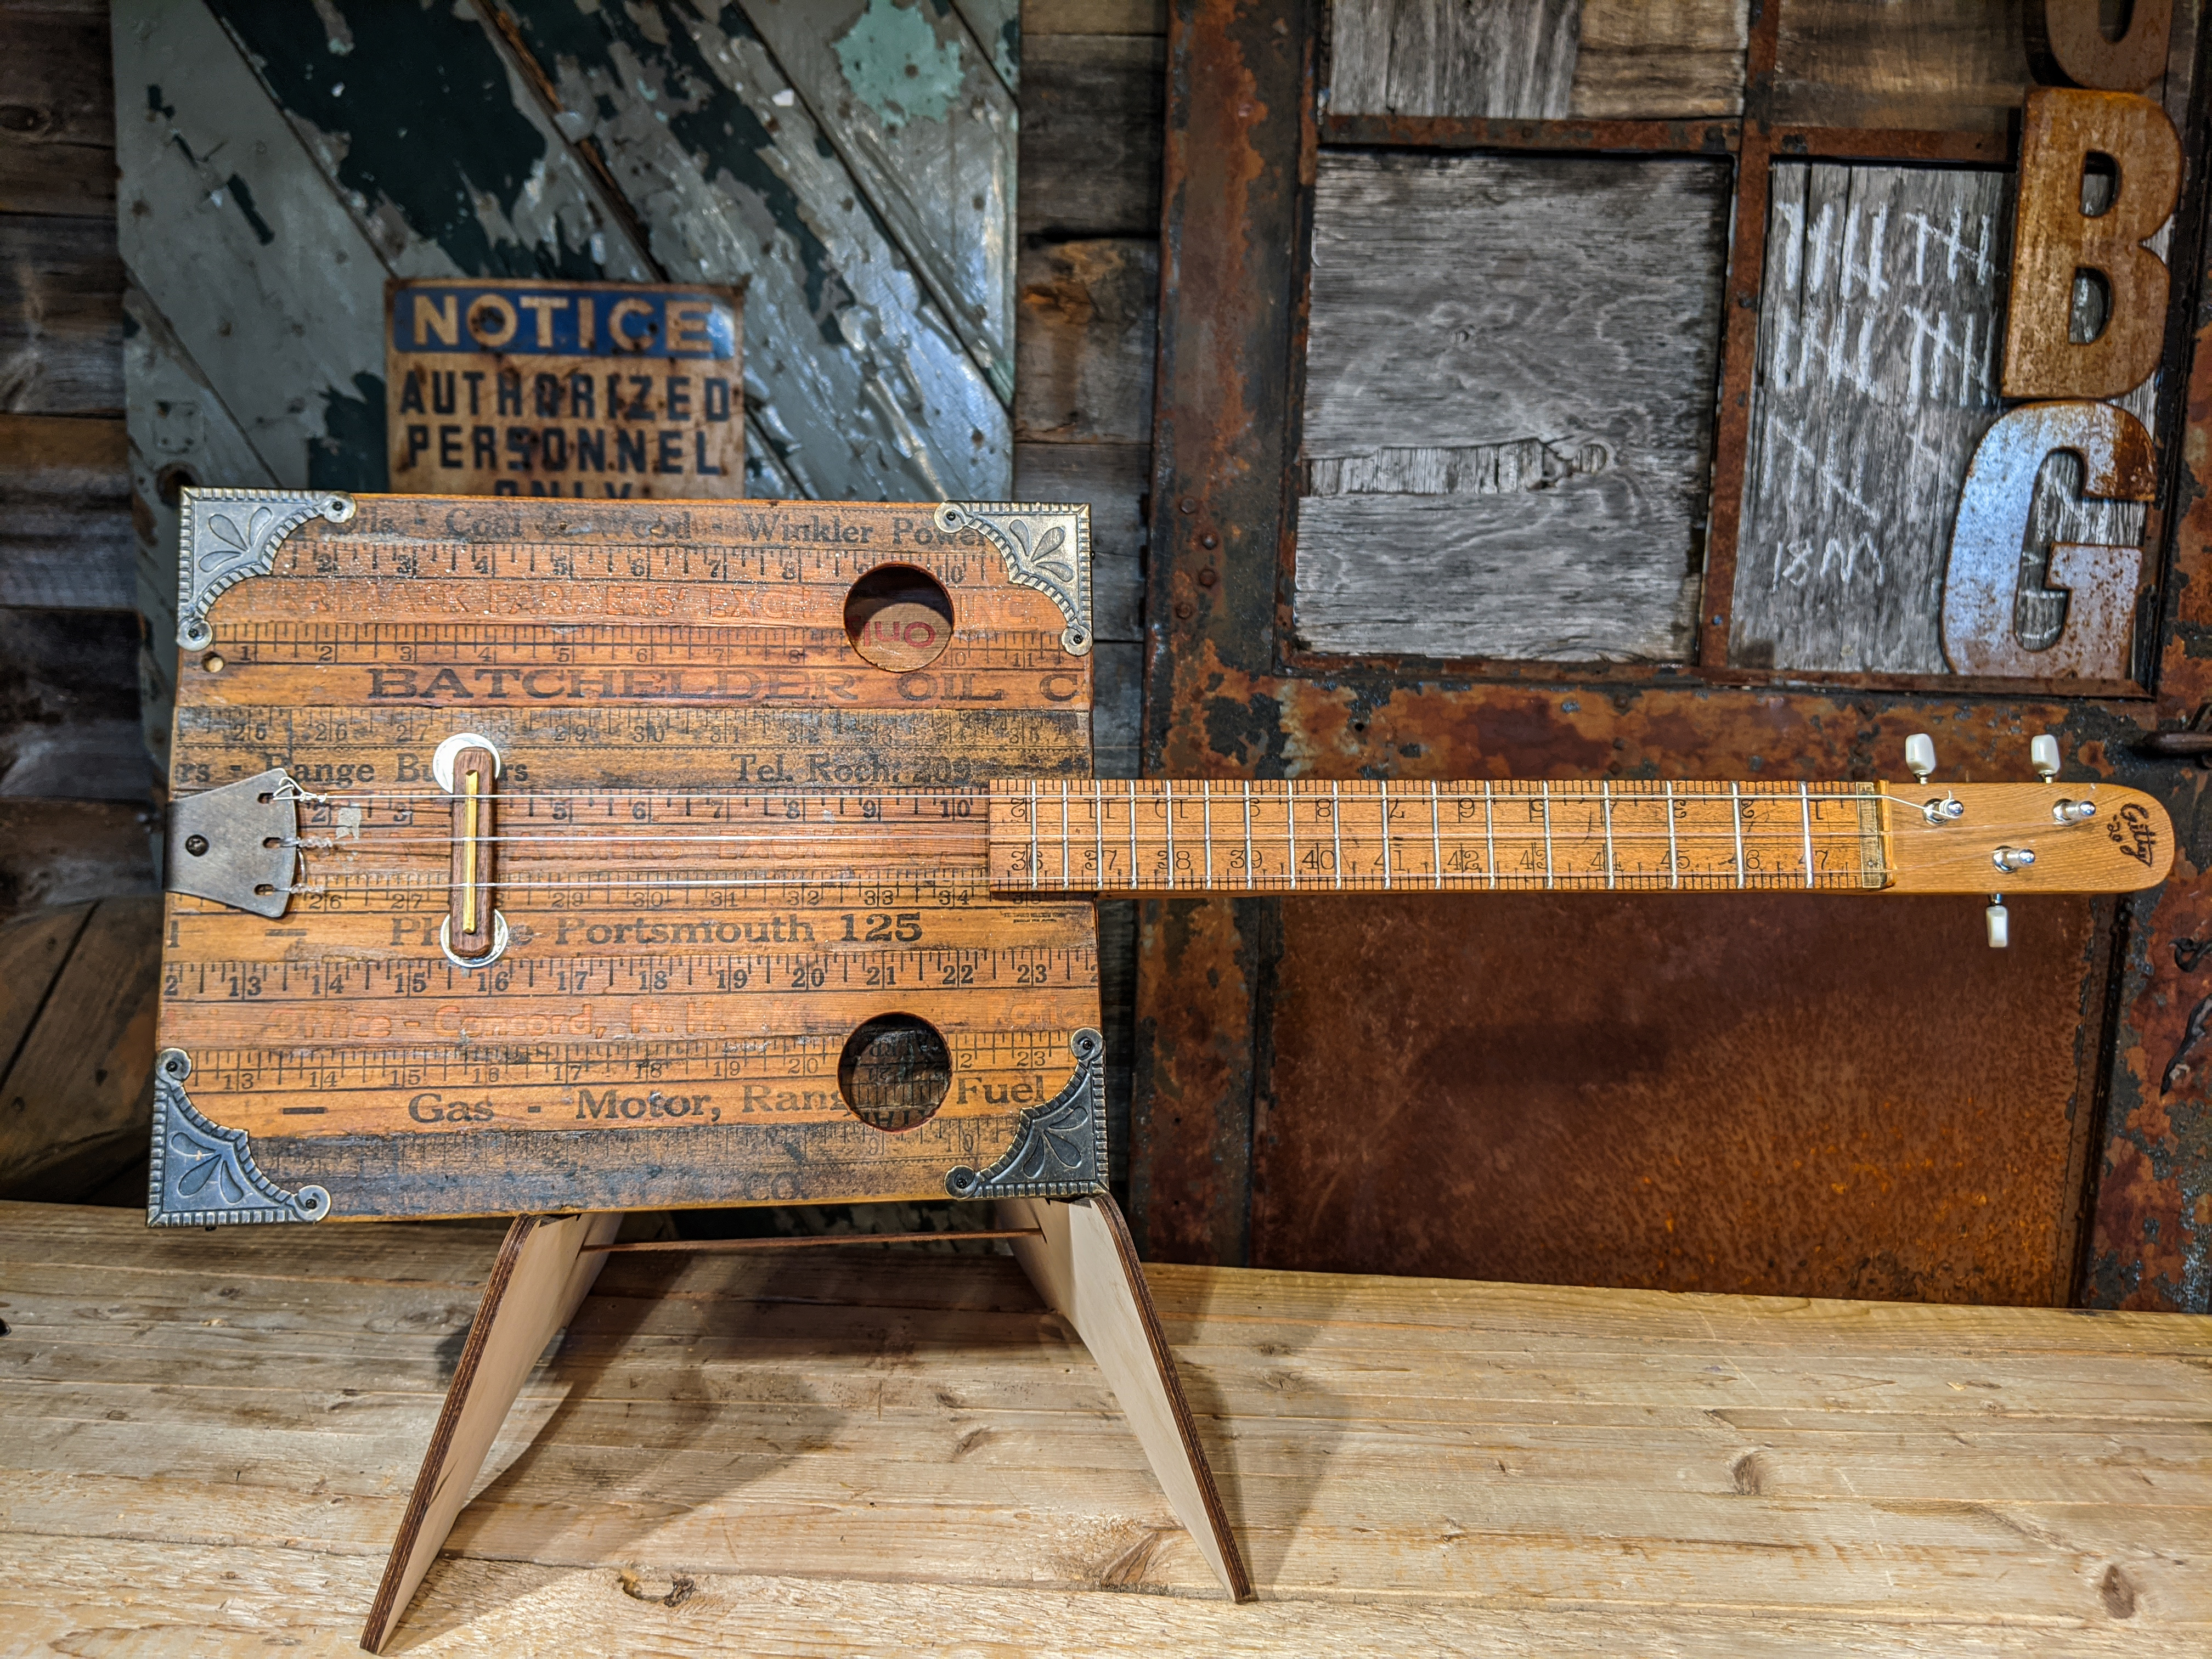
x=1508, y=392
x=2095, y=585
x=565, y=389
x=2046, y=355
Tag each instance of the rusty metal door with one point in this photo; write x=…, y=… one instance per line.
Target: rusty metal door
x=1730, y=1094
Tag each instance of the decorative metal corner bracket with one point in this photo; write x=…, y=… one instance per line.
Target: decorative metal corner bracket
x=227, y=535
x=1046, y=547
x=1060, y=1151
x=203, y=1174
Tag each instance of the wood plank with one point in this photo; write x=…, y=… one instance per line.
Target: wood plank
x=1934, y=65
x=747, y=188
x=1464, y=496
x=1878, y=353
x=1512, y=59
x=61, y=317
x=62, y=1593
x=1092, y=109
x=1643, y=1470
x=69, y=705
x=64, y=852
x=1043, y=17
x=1089, y=311
x=928, y=129
x=76, y=1102
x=65, y=536
x=32, y=948
x=58, y=137
x=1648, y=59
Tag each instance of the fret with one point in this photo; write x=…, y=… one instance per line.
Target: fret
x=1612, y=878
x=1674, y=853
x=1735, y=811
x=1291, y=826
x=1167, y=812
x=1548, y=881
x=1383, y=801
x=1489, y=833
x=1205, y=828
x=1099, y=827
x=1251, y=875
x=1036, y=859
x=1805, y=812
x=1063, y=833
x=1436, y=839
x=1336, y=832
x=1133, y=881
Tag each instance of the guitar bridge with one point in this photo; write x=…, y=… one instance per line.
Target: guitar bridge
x=466, y=767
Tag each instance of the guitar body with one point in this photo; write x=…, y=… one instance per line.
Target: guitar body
x=695, y=915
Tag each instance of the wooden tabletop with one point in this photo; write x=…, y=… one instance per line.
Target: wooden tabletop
x=208, y=1437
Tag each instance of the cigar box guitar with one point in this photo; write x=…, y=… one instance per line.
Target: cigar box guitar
x=539, y=855
x=561, y=858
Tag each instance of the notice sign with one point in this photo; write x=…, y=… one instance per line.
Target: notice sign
x=509, y=388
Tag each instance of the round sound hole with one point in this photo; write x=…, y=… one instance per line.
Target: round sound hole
x=893, y=1072
x=898, y=617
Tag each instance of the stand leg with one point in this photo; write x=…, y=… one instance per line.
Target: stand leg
x=536, y=1286
x=1086, y=1266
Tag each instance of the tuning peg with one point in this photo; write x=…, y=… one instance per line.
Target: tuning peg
x=1920, y=754
x=1999, y=921
x=2043, y=754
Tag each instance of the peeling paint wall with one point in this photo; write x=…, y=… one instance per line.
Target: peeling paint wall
x=279, y=162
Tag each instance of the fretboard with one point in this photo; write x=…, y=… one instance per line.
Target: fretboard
x=1162, y=835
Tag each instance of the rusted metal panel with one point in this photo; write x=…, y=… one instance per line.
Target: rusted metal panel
x=1632, y=1091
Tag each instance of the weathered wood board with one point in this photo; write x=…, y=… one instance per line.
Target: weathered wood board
x=1926, y=65
x=701, y=910
x=892, y=1453
x=1537, y=60
x=1880, y=338
x=1508, y=399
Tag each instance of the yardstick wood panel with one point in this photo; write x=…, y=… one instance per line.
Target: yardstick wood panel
x=906, y=1453
x=690, y=851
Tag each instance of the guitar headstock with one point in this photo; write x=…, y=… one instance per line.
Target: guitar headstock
x=2021, y=838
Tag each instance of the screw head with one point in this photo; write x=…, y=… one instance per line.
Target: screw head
x=196, y=845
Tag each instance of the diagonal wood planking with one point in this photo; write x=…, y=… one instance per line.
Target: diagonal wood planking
x=869, y=393
x=279, y=162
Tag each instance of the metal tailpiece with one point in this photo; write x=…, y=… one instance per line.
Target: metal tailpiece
x=1060, y=1151
x=1046, y=547
x=228, y=535
x=221, y=844
x=203, y=1175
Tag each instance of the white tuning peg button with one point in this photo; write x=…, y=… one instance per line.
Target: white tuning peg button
x=1920, y=754
x=2000, y=922
x=2043, y=754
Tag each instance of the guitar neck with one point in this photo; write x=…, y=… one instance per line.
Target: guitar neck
x=1164, y=835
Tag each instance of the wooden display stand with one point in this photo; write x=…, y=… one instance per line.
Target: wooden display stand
x=1078, y=1255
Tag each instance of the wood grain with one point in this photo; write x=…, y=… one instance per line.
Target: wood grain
x=65, y=538
x=64, y=852
x=57, y=137
x=76, y=1100
x=1091, y=111
x=1514, y=59
x=61, y=317
x=1509, y=394
x=1932, y=66
x=900, y=1447
x=1089, y=312
x=69, y=705
x=1639, y=60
